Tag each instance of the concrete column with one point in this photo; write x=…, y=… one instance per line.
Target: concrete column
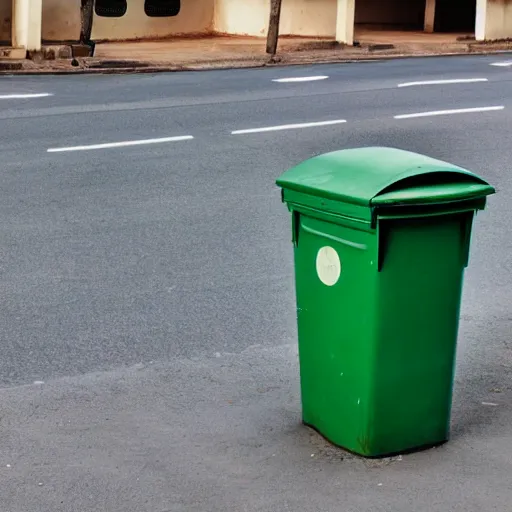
x=430, y=14
x=20, y=9
x=481, y=19
x=35, y=22
x=493, y=20
x=26, y=24
x=345, y=19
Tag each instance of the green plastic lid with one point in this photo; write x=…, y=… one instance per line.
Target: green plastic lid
x=383, y=176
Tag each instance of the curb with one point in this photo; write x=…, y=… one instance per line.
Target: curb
x=146, y=67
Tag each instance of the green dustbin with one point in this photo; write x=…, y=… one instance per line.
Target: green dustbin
x=381, y=240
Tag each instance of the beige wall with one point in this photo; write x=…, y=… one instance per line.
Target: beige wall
x=309, y=18
x=247, y=17
x=494, y=19
x=5, y=20
x=389, y=12
x=195, y=17
x=61, y=20
x=298, y=17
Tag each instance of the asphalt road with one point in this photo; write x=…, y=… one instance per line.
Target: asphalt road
x=148, y=337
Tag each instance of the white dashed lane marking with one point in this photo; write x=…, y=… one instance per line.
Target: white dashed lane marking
x=503, y=64
x=301, y=79
x=449, y=112
x=288, y=127
x=121, y=144
x=24, y=96
x=444, y=82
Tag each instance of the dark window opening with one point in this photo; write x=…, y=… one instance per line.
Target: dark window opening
x=162, y=8
x=110, y=8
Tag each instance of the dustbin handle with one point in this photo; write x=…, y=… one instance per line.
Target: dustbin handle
x=334, y=238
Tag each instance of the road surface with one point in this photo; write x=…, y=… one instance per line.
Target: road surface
x=148, y=341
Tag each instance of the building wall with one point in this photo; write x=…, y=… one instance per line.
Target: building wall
x=5, y=20
x=494, y=19
x=309, y=18
x=390, y=12
x=298, y=17
x=61, y=18
x=249, y=17
x=196, y=16
x=61, y=21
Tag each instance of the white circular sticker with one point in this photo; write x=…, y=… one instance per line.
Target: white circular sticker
x=328, y=266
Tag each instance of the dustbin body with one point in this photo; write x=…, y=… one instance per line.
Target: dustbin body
x=381, y=239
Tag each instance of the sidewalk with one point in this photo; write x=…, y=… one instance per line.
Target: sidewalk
x=228, y=52
x=223, y=433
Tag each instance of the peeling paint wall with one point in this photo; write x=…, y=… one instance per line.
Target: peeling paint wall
x=298, y=17
x=5, y=20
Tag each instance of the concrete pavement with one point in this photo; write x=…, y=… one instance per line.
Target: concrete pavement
x=226, y=52
x=148, y=328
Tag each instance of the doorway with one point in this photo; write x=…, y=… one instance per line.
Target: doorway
x=390, y=14
x=393, y=21
x=455, y=16
x=5, y=23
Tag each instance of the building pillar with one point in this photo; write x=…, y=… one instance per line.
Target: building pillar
x=26, y=24
x=493, y=20
x=19, y=28
x=345, y=19
x=481, y=31
x=35, y=25
x=430, y=15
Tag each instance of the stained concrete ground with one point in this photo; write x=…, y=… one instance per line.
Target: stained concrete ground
x=233, y=51
x=224, y=433
x=229, y=49
x=371, y=35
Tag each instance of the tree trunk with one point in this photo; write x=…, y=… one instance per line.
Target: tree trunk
x=273, y=26
x=86, y=16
